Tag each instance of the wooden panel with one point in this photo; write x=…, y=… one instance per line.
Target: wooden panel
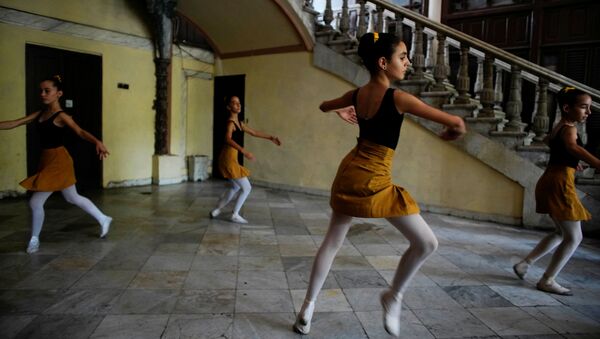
x=550, y=28
x=474, y=28
x=518, y=29
x=578, y=18
x=496, y=31
x=574, y=63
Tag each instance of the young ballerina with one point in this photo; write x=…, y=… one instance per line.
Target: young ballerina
x=55, y=171
x=555, y=192
x=363, y=187
x=229, y=166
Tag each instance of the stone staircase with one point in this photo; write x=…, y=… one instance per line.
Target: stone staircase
x=497, y=136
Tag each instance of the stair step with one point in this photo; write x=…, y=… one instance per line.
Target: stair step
x=436, y=98
x=483, y=125
x=538, y=154
x=510, y=139
x=461, y=110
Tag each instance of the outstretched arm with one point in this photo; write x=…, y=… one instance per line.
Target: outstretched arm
x=10, y=124
x=569, y=136
x=455, y=126
x=64, y=118
x=259, y=134
x=343, y=106
x=229, y=141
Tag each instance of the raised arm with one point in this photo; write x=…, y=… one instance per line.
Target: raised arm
x=569, y=136
x=10, y=124
x=343, y=107
x=455, y=126
x=64, y=118
x=259, y=134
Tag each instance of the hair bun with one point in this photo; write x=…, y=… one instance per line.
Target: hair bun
x=57, y=78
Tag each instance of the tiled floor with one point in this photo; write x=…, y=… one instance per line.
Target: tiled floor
x=167, y=271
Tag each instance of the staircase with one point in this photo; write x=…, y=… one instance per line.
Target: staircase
x=497, y=135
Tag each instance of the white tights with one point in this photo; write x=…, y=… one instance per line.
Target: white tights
x=38, y=199
x=241, y=185
x=422, y=244
x=565, y=239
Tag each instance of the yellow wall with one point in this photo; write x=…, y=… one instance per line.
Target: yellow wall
x=283, y=92
x=127, y=115
x=124, y=16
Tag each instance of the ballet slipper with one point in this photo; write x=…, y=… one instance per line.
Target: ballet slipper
x=304, y=318
x=392, y=308
x=549, y=285
x=520, y=269
x=105, y=226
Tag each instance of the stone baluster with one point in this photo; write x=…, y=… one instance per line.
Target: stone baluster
x=345, y=20
x=487, y=93
x=411, y=53
x=514, y=106
x=498, y=90
x=541, y=121
x=440, y=72
x=362, y=22
x=399, y=31
x=418, y=57
x=463, y=82
x=430, y=58
x=478, y=87
x=380, y=25
x=328, y=15
x=447, y=58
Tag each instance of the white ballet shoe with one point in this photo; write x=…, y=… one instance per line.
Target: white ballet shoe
x=392, y=308
x=238, y=219
x=105, y=227
x=304, y=318
x=551, y=286
x=215, y=213
x=34, y=245
x=521, y=268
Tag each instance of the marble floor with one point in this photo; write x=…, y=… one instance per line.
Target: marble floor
x=168, y=271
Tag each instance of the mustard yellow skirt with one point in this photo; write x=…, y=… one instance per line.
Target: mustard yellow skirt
x=363, y=185
x=555, y=195
x=229, y=167
x=55, y=172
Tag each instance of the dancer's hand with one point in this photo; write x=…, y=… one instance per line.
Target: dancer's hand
x=249, y=156
x=275, y=140
x=453, y=133
x=101, y=150
x=347, y=114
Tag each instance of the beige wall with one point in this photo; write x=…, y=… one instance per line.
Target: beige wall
x=283, y=93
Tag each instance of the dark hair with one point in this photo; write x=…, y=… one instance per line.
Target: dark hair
x=373, y=46
x=56, y=80
x=227, y=99
x=568, y=96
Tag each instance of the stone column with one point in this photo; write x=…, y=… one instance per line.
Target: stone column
x=345, y=20
x=514, y=106
x=541, y=121
x=328, y=15
x=487, y=93
x=162, y=12
x=418, y=57
x=362, y=22
x=440, y=71
x=463, y=82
